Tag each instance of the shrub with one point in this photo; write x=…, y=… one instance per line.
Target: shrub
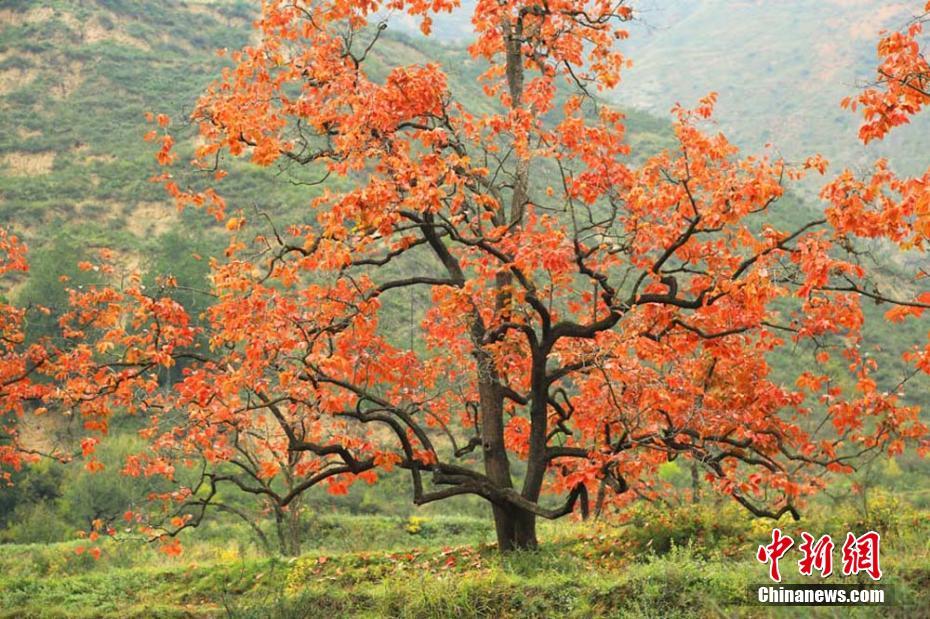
x=710, y=528
x=36, y=523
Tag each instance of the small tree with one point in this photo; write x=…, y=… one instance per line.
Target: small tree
x=19, y=363
x=258, y=478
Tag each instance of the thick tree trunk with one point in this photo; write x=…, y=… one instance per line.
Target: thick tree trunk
x=513, y=531
x=516, y=529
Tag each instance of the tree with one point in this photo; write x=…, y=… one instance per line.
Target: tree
x=884, y=205
x=587, y=320
x=109, y=344
x=18, y=362
x=56, y=263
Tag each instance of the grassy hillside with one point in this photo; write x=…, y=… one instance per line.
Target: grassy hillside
x=76, y=78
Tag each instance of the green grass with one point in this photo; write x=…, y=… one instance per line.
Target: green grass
x=446, y=569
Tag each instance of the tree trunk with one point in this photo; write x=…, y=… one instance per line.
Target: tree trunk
x=293, y=531
x=516, y=529
x=695, y=484
x=287, y=527
x=513, y=531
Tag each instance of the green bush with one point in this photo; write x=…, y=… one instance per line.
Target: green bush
x=37, y=523
x=107, y=494
x=708, y=528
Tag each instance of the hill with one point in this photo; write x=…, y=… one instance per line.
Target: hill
x=780, y=68
x=76, y=79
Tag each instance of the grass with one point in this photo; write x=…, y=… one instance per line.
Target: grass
x=443, y=570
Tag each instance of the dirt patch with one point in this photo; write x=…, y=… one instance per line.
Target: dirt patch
x=91, y=159
x=216, y=14
x=28, y=164
x=142, y=219
x=9, y=17
x=72, y=22
x=4, y=56
x=14, y=79
x=41, y=433
x=25, y=134
x=94, y=31
x=81, y=151
x=150, y=218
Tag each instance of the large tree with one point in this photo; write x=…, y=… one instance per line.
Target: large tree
x=582, y=318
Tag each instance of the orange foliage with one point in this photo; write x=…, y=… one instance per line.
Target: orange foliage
x=592, y=316
x=596, y=330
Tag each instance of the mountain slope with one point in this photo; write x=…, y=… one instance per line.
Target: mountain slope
x=75, y=81
x=76, y=78
x=780, y=68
